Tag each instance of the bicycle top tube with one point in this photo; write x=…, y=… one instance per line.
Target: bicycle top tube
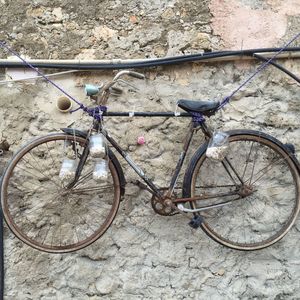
x=146, y=114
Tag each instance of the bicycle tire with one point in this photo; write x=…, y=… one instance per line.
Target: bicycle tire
x=257, y=220
x=2, y=273
x=40, y=209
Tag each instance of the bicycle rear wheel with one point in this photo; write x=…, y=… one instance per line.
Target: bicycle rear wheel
x=50, y=214
x=263, y=183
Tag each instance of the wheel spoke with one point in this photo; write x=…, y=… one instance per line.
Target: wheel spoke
x=247, y=160
x=267, y=168
x=55, y=183
x=91, y=188
x=253, y=165
x=45, y=214
x=49, y=226
x=269, y=201
x=83, y=178
x=214, y=186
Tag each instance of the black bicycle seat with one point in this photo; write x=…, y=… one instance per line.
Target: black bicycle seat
x=207, y=108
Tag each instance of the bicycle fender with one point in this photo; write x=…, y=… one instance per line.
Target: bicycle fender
x=113, y=158
x=201, y=150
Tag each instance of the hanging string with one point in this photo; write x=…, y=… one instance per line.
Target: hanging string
x=4, y=45
x=262, y=67
x=84, y=108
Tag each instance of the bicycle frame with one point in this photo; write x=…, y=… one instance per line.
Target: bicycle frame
x=150, y=186
x=155, y=190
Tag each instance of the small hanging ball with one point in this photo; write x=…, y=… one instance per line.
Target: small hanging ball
x=141, y=140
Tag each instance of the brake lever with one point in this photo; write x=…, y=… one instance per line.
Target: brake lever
x=129, y=84
x=116, y=90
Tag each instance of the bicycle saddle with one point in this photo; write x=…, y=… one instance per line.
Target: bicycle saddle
x=207, y=108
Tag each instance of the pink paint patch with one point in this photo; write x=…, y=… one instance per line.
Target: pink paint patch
x=239, y=26
x=141, y=140
x=286, y=7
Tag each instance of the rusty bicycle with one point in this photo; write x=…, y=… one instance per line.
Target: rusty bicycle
x=247, y=200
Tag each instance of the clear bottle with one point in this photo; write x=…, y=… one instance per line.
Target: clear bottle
x=218, y=146
x=100, y=173
x=97, y=146
x=68, y=169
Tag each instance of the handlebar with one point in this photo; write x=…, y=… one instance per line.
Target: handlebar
x=130, y=73
x=106, y=89
x=137, y=75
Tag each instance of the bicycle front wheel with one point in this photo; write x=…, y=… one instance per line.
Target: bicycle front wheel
x=255, y=190
x=51, y=214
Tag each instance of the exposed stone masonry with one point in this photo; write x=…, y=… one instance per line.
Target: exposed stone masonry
x=144, y=255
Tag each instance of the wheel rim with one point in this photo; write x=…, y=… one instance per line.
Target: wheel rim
x=42, y=211
x=262, y=218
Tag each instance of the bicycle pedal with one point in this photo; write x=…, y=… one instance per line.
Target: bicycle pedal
x=196, y=221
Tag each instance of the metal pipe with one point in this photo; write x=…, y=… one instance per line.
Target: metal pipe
x=292, y=52
x=37, y=77
x=281, y=68
x=64, y=104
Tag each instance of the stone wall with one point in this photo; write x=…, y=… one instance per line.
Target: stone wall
x=144, y=255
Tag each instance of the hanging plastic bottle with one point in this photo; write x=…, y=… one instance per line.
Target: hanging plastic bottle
x=218, y=146
x=97, y=146
x=100, y=172
x=68, y=169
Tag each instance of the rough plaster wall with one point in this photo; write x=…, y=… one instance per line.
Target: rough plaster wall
x=253, y=24
x=143, y=255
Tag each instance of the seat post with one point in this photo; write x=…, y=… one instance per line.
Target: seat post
x=206, y=130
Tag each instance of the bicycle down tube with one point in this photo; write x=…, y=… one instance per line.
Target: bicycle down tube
x=142, y=174
x=182, y=156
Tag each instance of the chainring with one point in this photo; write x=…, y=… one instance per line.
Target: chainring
x=160, y=208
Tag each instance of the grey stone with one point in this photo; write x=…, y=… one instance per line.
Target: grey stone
x=144, y=255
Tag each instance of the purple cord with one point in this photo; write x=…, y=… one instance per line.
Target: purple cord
x=95, y=112
x=3, y=45
x=262, y=67
x=196, y=118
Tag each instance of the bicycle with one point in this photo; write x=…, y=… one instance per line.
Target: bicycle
x=246, y=201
